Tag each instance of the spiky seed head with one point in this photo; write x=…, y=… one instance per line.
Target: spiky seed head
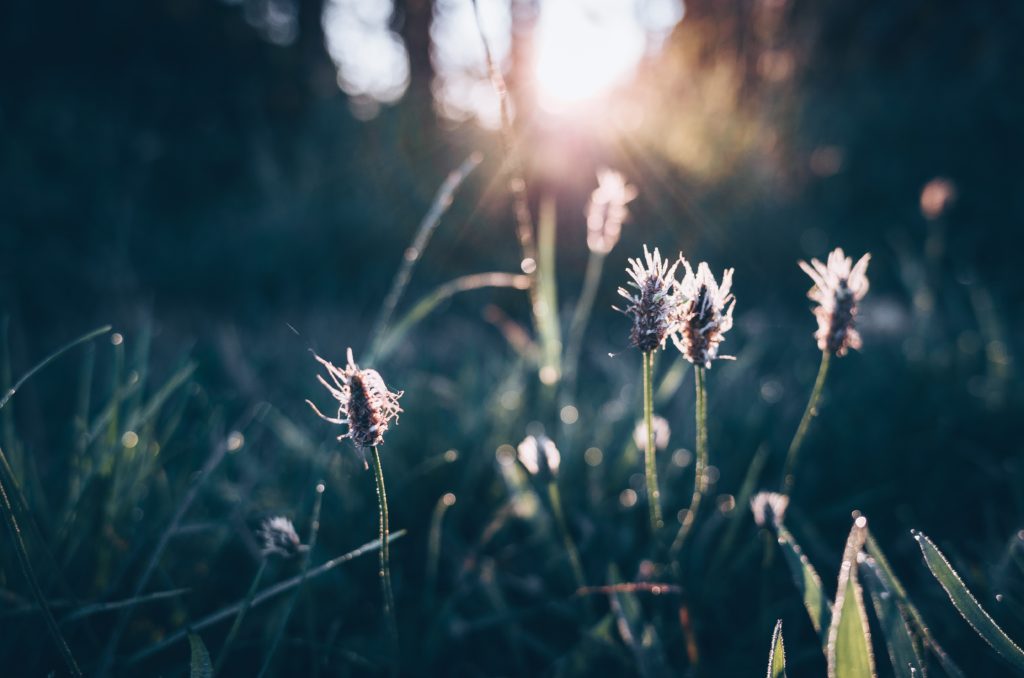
x=839, y=285
x=653, y=304
x=769, y=508
x=539, y=455
x=279, y=537
x=365, y=405
x=705, y=314
x=607, y=210
x=662, y=431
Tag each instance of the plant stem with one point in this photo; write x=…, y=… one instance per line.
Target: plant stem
x=26, y=569
x=801, y=431
x=242, y=611
x=563, y=527
x=385, y=562
x=650, y=465
x=700, y=468
x=581, y=317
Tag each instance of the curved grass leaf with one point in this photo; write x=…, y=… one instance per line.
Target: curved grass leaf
x=895, y=586
x=807, y=582
x=777, y=656
x=967, y=604
x=903, y=651
x=199, y=666
x=849, y=638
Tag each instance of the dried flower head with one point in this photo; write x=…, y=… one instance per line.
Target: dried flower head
x=661, y=433
x=279, y=537
x=539, y=455
x=769, y=508
x=705, y=314
x=838, y=287
x=365, y=405
x=607, y=210
x=653, y=307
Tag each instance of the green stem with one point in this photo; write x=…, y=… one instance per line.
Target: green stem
x=700, y=468
x=650, y=465
x=385, y=562
x=563, y=527
x=242, y=611
x=26, y=569
x=801, y=431
x=581, y=317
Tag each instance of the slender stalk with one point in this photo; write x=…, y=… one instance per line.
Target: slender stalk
x=314, y=530
x=385, y=562
x=581, y=317
x=650, y=465
x=555, y=498
x=242, y=611
x=30, y=577
x=805, y=421
x=700, y=468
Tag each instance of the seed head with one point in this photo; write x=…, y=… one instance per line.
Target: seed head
x=769, y=508
x=838, y=287
x=705, y=314
x=279, y=537
x=653, y=306
x=607, y=210
x=661, y=433
x=365, y=405
x=539, y=455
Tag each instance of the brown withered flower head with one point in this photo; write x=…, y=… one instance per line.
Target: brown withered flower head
x=705, y=314
x=838, y=287
x=653, y=306
x=279, y=537
x=365, y=405
x=607, y=210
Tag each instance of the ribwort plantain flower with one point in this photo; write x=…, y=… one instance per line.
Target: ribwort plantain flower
x=662, y=431
x=838, y=287
x=705, y=314
x=539, y=455
x=653, y=307
x=607, y=210
x=365, y=405
x=769, y=508
x=279, y=538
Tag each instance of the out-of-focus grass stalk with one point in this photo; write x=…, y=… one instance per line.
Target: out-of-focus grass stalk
x=545, y=316
x=789, y=470
x=262, y=597
x=442, y=201
x=30, y=577
x=700, y=469
x=449, y=289
x=385, y=562
x=555, y=497
x=307, y=557
x=242, y=611
x=546, y=306
x=650, y=463
x=581, y=317
x=434, y=544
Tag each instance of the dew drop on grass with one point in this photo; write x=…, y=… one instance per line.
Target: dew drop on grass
x=627, y=498
x=505, y=454
x=593, y=456
x=451, y=455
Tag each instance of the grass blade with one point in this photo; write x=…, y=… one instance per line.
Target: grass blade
x=199, y=666
x=777, y=656
x=849, y=638
x=893, y=584
x=807, y=582
x=903, y=651
x=967, y=604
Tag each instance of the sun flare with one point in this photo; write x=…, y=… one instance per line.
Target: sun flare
x=583, y=50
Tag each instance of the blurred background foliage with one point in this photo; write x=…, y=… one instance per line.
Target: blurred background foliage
x=229, y=185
